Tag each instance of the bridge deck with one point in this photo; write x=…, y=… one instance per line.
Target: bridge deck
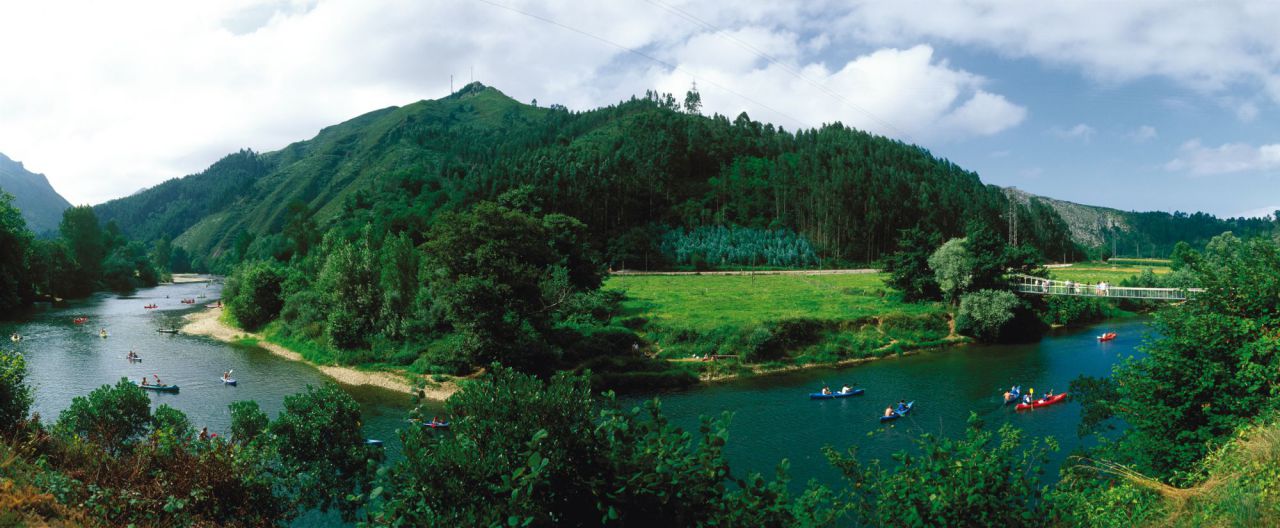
x=1040, y=286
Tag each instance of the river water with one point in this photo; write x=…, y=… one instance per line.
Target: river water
x=773, y=418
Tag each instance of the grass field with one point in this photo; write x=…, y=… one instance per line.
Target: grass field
x=1095, y=272
x=706, y=302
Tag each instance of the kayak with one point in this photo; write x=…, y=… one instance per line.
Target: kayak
x=160, y=388
x=1107, y=337
x=167, y=331
x=103, y=335
x=373, y=442
x=132, y=359
x=821, y=396
x=150, y=307
x=1043, y=402
x=436, y=425
x=231, y=381
x=898, y=414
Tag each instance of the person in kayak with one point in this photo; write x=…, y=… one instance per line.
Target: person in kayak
x=158, y=382
x=144, y=381
x=226, y=375
x=902, y=405
x=888, y=411
x=826, y=390
x=845, y=389
x=204, y=433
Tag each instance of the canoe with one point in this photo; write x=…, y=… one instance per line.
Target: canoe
x=1107, y=336
x=834, y=395
x=898, y=414
x=231, y=381
x=160, y=388
x=1043, y=402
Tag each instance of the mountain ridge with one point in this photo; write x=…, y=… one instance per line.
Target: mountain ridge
x=34, y=196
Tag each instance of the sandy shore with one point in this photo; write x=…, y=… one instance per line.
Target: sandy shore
x=207, y=323
x=184, y=278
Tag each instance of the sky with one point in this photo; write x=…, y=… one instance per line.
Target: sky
x=1138, y=105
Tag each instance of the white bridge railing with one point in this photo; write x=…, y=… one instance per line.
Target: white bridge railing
x=1041, y=286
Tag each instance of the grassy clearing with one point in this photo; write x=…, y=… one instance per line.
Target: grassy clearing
x=1111, y=272
x=776, y=321
x=707, y=302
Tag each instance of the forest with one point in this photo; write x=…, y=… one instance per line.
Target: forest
x=84, y=258
x=634, y=173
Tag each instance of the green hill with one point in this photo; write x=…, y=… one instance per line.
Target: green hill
x=41, y=206
x=632, y=172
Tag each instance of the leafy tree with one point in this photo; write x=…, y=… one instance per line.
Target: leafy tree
x=15, y=247
x=88, y=245
x=254, y=294
x=350, y=282
x=982, y=479
x=110, y=416
x=15, y=395
x=908, y=267
x=986, y=314
x=952, y=266
x=1182, y=257
x=320, y=444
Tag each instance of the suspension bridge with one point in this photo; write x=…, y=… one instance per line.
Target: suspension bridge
x=1041, y=286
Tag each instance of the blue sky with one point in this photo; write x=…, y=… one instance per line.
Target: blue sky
x=1137, y=105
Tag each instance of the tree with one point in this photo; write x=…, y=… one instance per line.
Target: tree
x=349, y=282
x=248, y=422
x=952, y=266
x=320, y=444
x=15, y=255
x=982, y=479
x=693, y=100
x=254, y=294
x=1182, y=257
x=908, y=267
x=88, y=245
x=110, y=416
x=986, y=314
x=15, y=395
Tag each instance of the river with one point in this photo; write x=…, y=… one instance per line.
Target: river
x=773, y=416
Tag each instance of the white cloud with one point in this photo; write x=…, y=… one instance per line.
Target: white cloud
x=1258, y=212
x=1142, y=134
x=1197, y=159
x=124, y=95
x=1210, y=46
x=1080, y=132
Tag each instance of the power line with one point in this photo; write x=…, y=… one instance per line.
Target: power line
x=553, y=22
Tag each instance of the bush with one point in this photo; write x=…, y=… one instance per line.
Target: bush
x=248, y=422
x=15, y=395
x=988, y=315
x=110, y=416
x=607, y=341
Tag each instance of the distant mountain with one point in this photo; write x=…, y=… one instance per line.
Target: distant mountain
x=41, y=206
x=1142, y=234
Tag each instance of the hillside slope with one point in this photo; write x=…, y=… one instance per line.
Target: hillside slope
x=630, y=171
x=1142, y=234
x=41, y=206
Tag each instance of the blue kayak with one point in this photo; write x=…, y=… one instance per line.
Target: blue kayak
x=898, y=414
x=834, y=395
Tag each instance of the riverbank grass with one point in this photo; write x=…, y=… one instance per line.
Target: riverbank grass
x=776, y=321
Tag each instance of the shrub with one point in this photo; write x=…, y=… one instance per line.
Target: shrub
x=110, y=416
x=15, y=395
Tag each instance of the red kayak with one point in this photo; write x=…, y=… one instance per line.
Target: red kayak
x=1043, y=402
x=1107, y=336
